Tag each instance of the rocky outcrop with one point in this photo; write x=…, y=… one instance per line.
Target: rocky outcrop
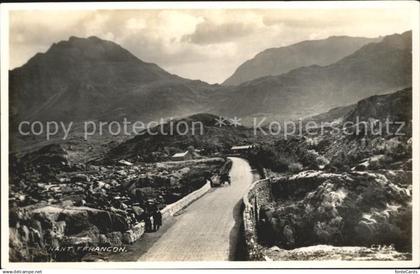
x=134, y=234
x=333, y=209
x=45, y=233
x=103, y=206
x=357, y=209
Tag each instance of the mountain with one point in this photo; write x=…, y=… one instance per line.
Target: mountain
x=376, y=68
x=395, y=107
x=275, y=61
x=91, y=78
x=375, y=133
x=333, y=115
x=158, y=145
x=386, y=143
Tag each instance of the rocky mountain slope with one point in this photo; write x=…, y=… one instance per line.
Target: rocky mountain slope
x=54, y=202
x=376, y=68
x=346, y=193
x=91, y=78
x=208, y=138
x=276, y=61
x=317, y=208
x=360, y=138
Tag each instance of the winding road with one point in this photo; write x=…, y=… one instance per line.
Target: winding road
x=208, y=229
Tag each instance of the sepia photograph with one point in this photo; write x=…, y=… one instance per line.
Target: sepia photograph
x=210, y=135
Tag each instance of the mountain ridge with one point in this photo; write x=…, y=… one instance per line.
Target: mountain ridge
x=375, y=68
x=91, y=78
x=275, y=61
x=84, y=78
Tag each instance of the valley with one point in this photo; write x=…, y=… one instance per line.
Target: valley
x=337, y=190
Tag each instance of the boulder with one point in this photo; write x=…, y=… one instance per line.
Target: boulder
x=122, y=172
x=125, y=163
x=24, y=233
x=362, y=166
x=78, y=219
x=138, y=211
x=79, y=178
x=134, y=234
x=408, y=165
x=114, y=238
x=75, y=241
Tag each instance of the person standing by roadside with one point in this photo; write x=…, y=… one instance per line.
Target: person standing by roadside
x=208, y=179
x=157, y=220
x=148, y=222
x=152, y=222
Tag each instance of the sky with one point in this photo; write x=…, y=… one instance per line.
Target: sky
x=197, y=44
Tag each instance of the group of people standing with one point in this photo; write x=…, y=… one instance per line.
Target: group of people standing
x=153, y=220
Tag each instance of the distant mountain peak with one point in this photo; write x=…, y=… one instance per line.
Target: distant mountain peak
x=402, y=40
x=74, y=40
x=91, y=47
x=276, y=61
x=89, y=38
x=375, y=68
x=89, y=72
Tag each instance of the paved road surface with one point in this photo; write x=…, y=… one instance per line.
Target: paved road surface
x=208, y=229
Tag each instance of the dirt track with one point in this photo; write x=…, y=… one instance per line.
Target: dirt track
x=208, y=229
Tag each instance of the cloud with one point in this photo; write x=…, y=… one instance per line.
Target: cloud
x=209, y=33
x=198, y=44
x=337, y=18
